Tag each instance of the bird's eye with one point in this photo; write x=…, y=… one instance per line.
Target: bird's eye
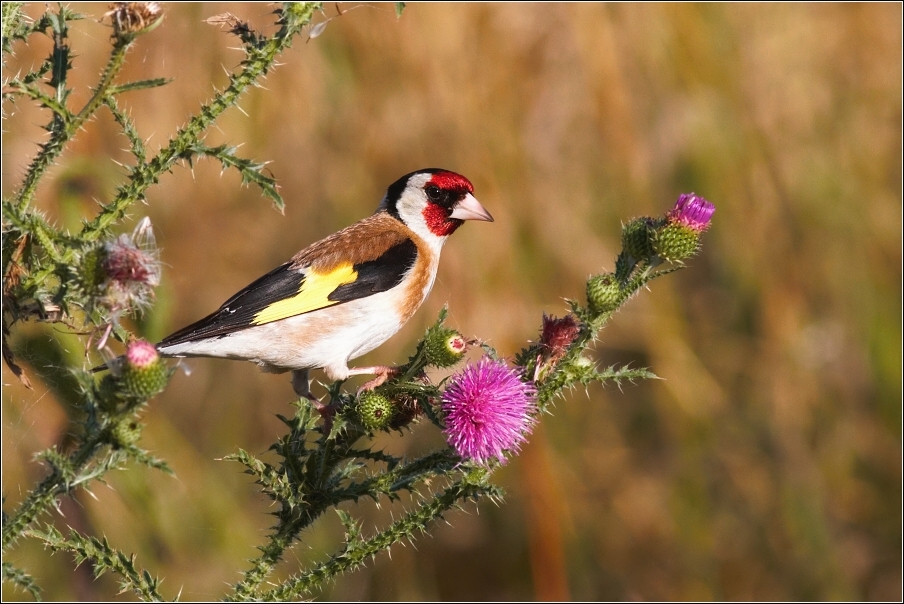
x=433, y=193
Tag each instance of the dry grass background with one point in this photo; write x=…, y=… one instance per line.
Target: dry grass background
x=767, y=462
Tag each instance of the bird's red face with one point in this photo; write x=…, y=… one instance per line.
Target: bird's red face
x=443, y=190
x=437, y=201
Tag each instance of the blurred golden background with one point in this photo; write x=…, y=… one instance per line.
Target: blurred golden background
x=765, y=465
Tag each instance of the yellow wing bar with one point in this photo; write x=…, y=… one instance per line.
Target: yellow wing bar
x=312, y=295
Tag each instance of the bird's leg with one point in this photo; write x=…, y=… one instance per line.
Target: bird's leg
x=382, y=372
x=302, y=387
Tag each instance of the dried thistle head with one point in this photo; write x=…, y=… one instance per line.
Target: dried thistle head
x=407, y=409
x=123, y=272
x=130, y=19
x=557, y=335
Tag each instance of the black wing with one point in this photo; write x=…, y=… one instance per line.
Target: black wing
x=380, y=274
x=286, y=282
x=239, y=310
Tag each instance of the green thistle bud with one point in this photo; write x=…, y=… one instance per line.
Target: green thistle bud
x=583, y=362
x=603, y=293
x=676, y=242
x=444, y=347
x=108, y=391
x=637, y=237
x=126, y=433
x=143, y=372
x=374, y=410
x=91, y=269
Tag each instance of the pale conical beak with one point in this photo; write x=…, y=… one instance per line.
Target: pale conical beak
x=470, y=209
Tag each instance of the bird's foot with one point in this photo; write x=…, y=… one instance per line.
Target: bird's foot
x=382, y=374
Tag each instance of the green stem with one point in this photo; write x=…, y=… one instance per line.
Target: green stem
x=290, y=526
x=43, y=496
x=63, y=130
x=142, y=177
x=470, y=486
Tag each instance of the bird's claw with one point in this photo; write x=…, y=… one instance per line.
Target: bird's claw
x=384, y=374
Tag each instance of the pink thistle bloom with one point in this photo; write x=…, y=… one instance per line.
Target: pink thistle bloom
x=692, y=211
x=141, y=354
x=488, y=409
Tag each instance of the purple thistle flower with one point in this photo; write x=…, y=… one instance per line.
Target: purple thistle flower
x=692, y=211
x=488, y=409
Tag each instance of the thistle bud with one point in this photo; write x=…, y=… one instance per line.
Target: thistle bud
x=636, y=237
x=91, y=270
x=126, y=433
x=675, y=242
x=444, y=347
x=374, y=410
x=603, y=293
x=679, y=237
x=143, y=373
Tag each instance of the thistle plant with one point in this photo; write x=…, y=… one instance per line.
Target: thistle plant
x=91, y=280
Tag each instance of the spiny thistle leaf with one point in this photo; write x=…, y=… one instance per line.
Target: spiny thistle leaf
x=145, y=458
x=251, y=172
x=21, y=579
x=276, y=484
x=138, y=85
x=620, y=374
x=103, y=558
x=354, y=554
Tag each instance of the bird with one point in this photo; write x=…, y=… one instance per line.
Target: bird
x=343, y=296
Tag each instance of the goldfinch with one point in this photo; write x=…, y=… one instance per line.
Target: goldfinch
x=343, y=296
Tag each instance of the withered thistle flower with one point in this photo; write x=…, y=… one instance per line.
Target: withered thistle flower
x=130, y=19
x=130, y=270
x=407, y=408
x=557, y=336
x=488, y=409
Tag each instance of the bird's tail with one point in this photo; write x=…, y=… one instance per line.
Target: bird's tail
x=102, y=367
